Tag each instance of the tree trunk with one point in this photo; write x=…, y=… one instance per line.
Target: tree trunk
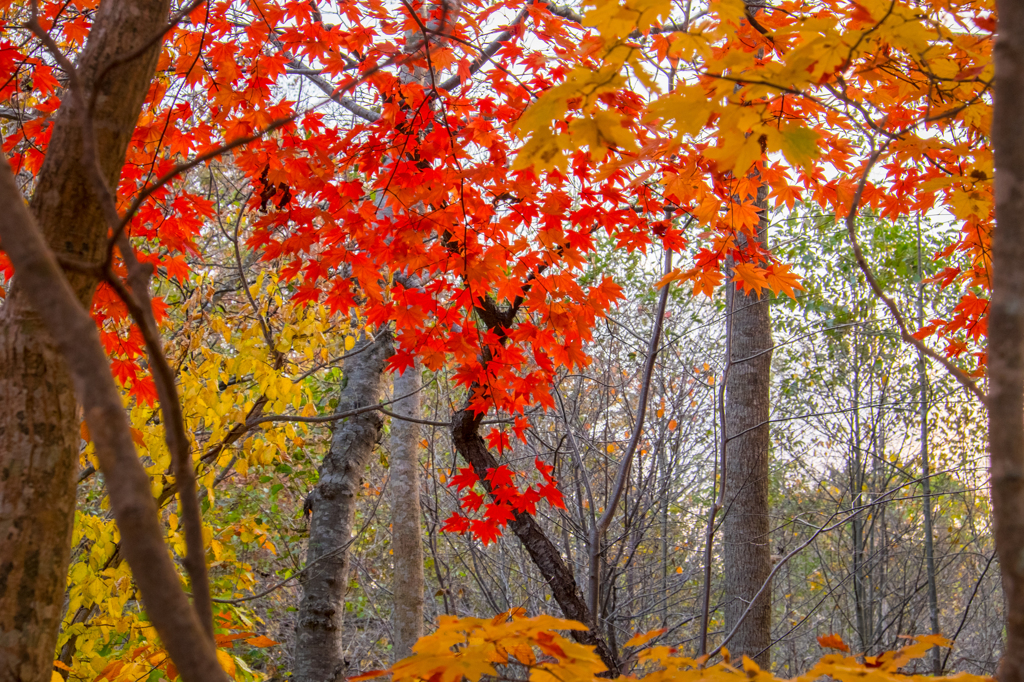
x=746, y=550
x=542, y=551
x=406, y=541
x=1006, y=330
x=926, y=483
x=318, y=638
x=74, y=333
x=856, y=473
x=39, y=419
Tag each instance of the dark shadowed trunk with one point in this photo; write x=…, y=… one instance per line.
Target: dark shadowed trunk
x=318, y=637
x=1006, y=330
x=542, y=551
x=746, y=551
x=39, y=419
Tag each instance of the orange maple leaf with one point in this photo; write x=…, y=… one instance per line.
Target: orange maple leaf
x=751, y=277
x=781, y=279
x=833, y=641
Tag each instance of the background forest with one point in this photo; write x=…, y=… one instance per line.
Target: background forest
x=654, y=315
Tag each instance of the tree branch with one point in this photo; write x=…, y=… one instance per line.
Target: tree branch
x=75, y=334
x=862, y=263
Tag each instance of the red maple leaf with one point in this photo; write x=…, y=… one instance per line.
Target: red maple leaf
x=499, y=514
x=545, y=469
x=527, y=502
x=506, y=494
x=499, y=477
x=498, y=440
x=485, y=531
x=456, y=523
x=466, y=478
x=472, y=501
x=551, y=493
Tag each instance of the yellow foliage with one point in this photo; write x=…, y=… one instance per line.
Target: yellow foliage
x=472, y=647
x=225, y=368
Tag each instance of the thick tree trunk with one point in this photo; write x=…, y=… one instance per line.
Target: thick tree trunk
x=1006, y=330
x=746, y=550
x=39, y=439
x=318, y=638
x=39, y=420
x=406, y=540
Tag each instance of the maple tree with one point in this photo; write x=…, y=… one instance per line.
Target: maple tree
x=539, y=133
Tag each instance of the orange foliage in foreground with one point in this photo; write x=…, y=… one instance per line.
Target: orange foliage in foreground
x=473, y=647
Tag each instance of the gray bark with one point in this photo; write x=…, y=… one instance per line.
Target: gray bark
x=319, y=654
x=39, y=419
x=406, y=539
x=746, y=551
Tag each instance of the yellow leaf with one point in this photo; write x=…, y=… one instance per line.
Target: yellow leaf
x=800, y=145
x=524, y=654
x=350, y=342
x=226, y=662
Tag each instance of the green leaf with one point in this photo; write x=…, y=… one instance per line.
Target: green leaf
x=800, y=145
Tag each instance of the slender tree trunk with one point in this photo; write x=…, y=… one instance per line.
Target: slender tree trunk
x=406, y=541
x=39, y=418
x=1006, y=330
x=855, y=470
x=746, y=551
x=318, y=638
x=926, y=483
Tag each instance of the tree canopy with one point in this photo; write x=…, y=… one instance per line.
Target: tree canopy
x=221, y=217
